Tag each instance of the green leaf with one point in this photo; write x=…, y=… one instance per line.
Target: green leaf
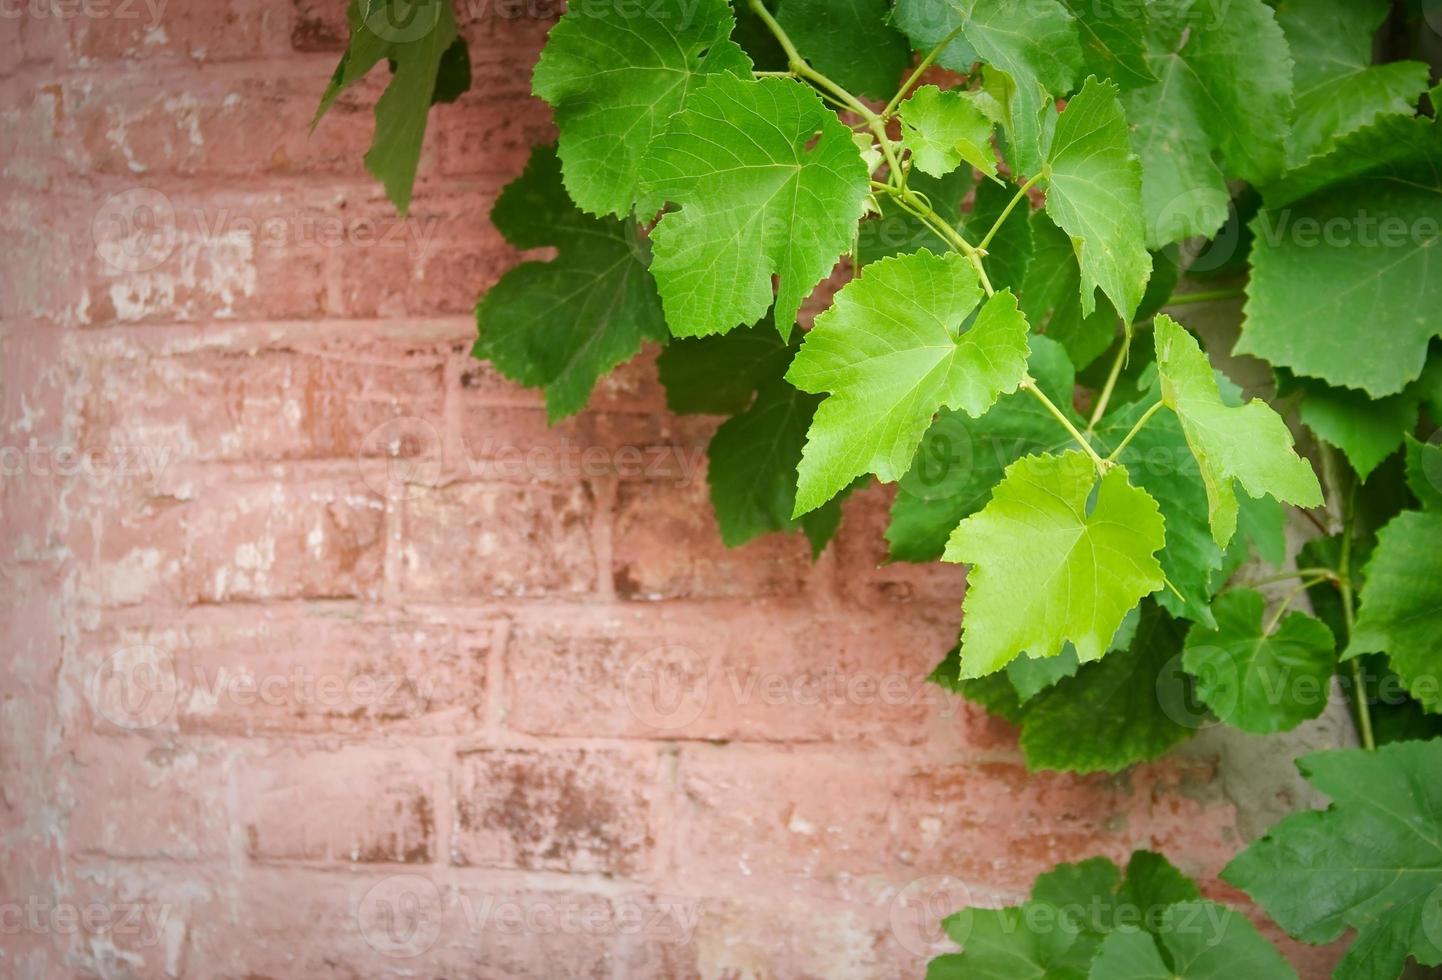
x=961, y=459
x=1327, y=268
x=1032, y=675
x=892, y=352
x=1371, y=861
x=1034, y=42
x=1051, y=297
x=1250, y=445
x=1338, y=89
x=1114, y=713
x=1094, y=194
x=1401, y=604
x=1367, y=430
x=1261, y=682
x=1220, y=109
x=896, y=232
x=614, y=76
x=850, y=41
x=1424, y=473
x=760, y=194
x=1001, y=946
x=942, y=129
x=1051, y=567
x=1194, y=941
x=1113, y=35
x=1009, y=254
x=561, y=325
x=419, y=40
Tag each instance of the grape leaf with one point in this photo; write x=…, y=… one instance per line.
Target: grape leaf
x=1010, y=252
x=1194, y=941
x=1034, y=42
x=1051, y=296
x=942, y=129
x=1372, y=860
x=892, y=353
x=1338, y=89
x=896, y=232
x=961, y=459
x=760, y=194
x=1367, y=430
x=1049, y=566
x=1329, y=267
x=1116, y=712
x=1113, y=35
x=1261, y=682
x=1249, y=445
x=561, y=325
x=614, y=78
x=419, y=39
x=1401, y=604
x=1000, y=946
x=1094, y=185
x=1424, y=473
x=850, y=41
x=1224, y=93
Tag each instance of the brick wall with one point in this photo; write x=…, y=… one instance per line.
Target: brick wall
x=325, y=657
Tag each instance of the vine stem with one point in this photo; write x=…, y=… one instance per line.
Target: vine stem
x=1141, y=424
x=1029, y=385
x=1206, y=296
x=915, y=76
x=1321, y=574
x=1104, y=399
x=912, y=202
x=1349, y=510
x=1006, y=213
x=1287, y=603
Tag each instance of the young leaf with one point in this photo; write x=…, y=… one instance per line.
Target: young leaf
x=1371, y=861
x=423, y=49
x=1193, y=941
x=892, y=352
x=760, y=194
x=1034, y=42
x=942, y=129
x=850, y=41
x=561, y=325
x=961, y=459
x=1250, y=444
x=1257, y=681
x=1401, y=610
x=1049, y=566
x=1424, y=473
x=615, y=76
x=1094, y=186
x=1051, y=296
x=1224, y=90
x=1114, y=713
x=1338, y=88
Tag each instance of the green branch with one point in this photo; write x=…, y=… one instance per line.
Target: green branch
x=915, y=76
x=1029, y=385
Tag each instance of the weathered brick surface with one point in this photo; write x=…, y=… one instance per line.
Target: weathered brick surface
x=328, y=657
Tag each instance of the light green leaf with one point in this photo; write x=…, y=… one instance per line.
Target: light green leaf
x=1113, y=35
x=1250, y=445
x=1338, y=89
x=561, y=325
x=1034, y=42
x=1051, y=297
x=1371, y=861
x=1049, y=566
x=1194, y=941
x=1424, y=472
x=1367, y=430
x=961, y=459
x=615, y=75
x=1117, y=712
x=892, y=352
x=1401, y=604
x=760, y=194
x=852, y=42
x=1220, y=109
x=942, y=129
x=1261, y=682
x=1094, y=194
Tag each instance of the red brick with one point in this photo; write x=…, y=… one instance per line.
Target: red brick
x=582, y=810
x=778, y=674
x=473, y=540
x=355, y=805
x=146, y=29
x=319, y=26
x=667, y=546
x=141, y=798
